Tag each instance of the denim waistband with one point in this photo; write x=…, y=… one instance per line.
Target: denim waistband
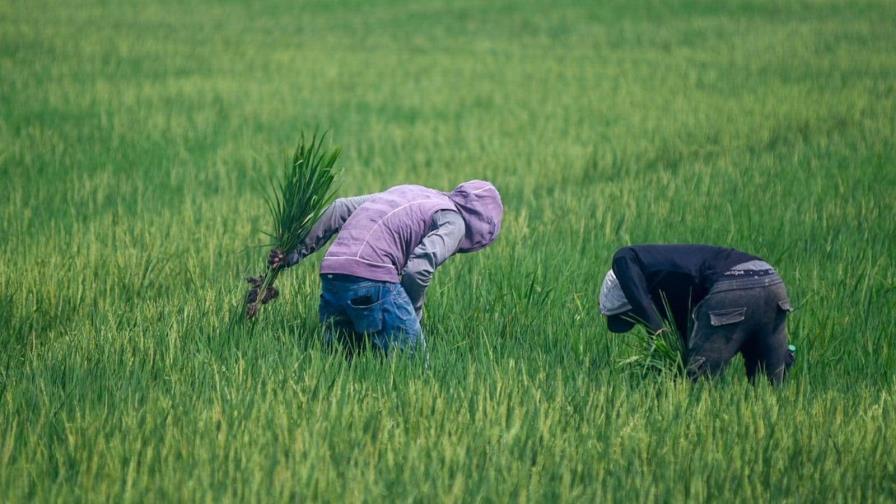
x=341, y=278
x=746, y=283
x=749, y=269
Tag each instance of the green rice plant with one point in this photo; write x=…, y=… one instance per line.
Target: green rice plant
x=295, y=203
x=663, y=353
x=601, y=123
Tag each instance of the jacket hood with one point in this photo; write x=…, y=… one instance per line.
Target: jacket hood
x=480, y=206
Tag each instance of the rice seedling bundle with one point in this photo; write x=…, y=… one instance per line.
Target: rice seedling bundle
x=295, y=202
x=663, y=353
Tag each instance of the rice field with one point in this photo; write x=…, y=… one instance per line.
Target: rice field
x=135, y=138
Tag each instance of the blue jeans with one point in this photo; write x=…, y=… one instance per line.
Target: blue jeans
x=357, y=312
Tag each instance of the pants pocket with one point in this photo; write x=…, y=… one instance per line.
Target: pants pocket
x=727, y=316
x=366, y=313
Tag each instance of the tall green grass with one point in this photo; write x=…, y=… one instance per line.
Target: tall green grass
x=126, y=135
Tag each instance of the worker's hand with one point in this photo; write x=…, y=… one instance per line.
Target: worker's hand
x=252, y=296
x=269, y=295
x=276, y=259
x=255, y=286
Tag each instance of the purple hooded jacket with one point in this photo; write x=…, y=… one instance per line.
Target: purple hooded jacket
x=377, y=239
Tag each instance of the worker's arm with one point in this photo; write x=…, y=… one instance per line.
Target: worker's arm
x=330, y=223
x=446, y=232
x=631, y=279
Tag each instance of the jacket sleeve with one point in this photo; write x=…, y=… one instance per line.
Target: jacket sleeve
x=445, y=235
x=330, y=223
x=627, y=268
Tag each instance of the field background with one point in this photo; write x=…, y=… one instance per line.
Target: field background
x=133, y=136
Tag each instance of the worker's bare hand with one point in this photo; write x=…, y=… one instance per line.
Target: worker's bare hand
x=252, y=295
x=276, y=259
x=270, y=294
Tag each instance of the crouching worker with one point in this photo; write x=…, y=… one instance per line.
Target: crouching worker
x=374, y=276
x=721, y=301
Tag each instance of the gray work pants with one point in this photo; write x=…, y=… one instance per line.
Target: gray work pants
x=746, y=316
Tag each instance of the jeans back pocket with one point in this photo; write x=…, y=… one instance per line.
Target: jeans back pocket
x=726, y=317
x=366, y=313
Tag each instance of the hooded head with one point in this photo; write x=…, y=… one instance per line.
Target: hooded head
x=614, y=305
x=480, y=206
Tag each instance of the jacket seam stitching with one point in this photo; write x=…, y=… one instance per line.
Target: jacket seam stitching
x=402, y=207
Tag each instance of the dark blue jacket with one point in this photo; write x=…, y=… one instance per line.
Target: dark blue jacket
x=680, y=276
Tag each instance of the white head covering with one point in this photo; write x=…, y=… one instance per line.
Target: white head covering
x=612, y=299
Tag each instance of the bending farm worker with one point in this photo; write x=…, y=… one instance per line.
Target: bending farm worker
x=374, y=276
x=722, y=302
